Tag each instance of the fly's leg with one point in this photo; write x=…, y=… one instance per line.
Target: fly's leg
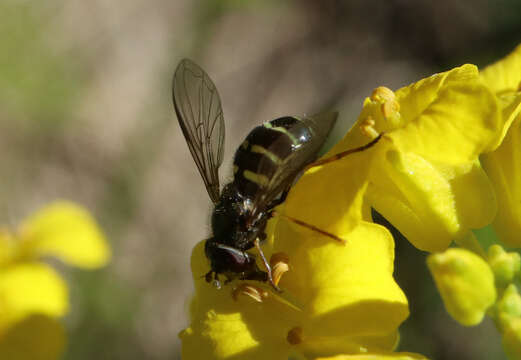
x=228, y=279
x=344, y=153
x=266, y=264
x=284, y=195
x=215, y=281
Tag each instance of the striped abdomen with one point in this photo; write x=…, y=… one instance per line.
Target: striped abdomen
x=264, y=150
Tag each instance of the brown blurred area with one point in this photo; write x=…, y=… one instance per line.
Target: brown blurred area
x=86, y=115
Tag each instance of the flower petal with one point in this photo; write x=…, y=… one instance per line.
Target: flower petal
x=503, y=166
x=6, y=246
x=452, y=107
x=431, y=204
x=65, y=230
x=348, y=300
x=222, y=328
x=505, y=74
x=30, y=288
x=35, y=338
x=426, y=172
x=461, y=123
x=330, y=197
x=344, y=289
x=227, y=336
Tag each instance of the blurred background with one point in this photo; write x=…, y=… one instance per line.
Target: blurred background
x=86, y=115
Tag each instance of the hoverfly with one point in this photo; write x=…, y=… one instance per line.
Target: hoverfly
x=265, y=166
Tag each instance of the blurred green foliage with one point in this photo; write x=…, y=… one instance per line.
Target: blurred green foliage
x=38, y=84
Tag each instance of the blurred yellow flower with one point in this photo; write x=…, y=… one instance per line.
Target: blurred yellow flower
x=503, y=165
x=338, y=298
x=32, y=293
x=426, y=172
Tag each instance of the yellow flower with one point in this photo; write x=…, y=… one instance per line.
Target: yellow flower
x=503, y=165
x=338, y=298
x=422, y=175
x=426, y=172
x=32, y=293
x=465, y=282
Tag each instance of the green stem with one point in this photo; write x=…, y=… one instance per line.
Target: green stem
x=471, y=243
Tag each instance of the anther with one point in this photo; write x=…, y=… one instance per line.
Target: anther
x=382, y=94
x=254, y=292
x=295, y=336
x=279, y=263
x=367, y=128
x=390, y=108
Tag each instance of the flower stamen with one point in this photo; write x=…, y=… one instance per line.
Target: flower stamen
x=256, y=293
x=367, y=128
x=382, y=94
x=279, y=263
x=390, y=109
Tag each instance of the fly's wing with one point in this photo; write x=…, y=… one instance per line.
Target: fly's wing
x=289, y=168
x=198, y=108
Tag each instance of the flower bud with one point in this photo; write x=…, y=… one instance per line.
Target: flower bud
x=504, y=265
x=508, y=307
x=465, y=282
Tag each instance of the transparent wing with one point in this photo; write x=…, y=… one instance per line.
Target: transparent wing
x=198, y=108
x=286, y=172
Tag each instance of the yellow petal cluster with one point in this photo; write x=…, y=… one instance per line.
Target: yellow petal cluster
x=426, y=173
x=32, y=294
x=338, y=298
x=503, y=165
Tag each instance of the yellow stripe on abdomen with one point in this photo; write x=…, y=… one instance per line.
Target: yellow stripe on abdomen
x=262, y=150
x=261, y=180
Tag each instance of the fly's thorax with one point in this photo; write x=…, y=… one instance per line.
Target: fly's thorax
x=231, y=219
